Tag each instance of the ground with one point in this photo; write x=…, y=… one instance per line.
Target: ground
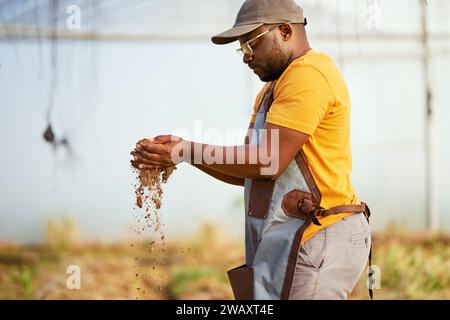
x=413, y=266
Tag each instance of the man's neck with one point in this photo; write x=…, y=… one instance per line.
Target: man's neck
x=301, y=52
x=296, y=55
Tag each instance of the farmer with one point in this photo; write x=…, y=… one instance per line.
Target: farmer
x=307, y=233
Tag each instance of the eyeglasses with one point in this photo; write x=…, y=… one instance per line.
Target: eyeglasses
x=246, y=49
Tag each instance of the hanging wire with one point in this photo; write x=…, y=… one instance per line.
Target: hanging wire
x=53, y=61
x=49, y=135
x=37, y=24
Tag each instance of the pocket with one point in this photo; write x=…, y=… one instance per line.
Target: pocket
x=297, y=204
x=360, y=239
x=261, y=191
x=241, y=280
x=312, y=252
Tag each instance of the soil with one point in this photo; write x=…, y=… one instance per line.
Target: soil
x=149, y=191
x=149, y=194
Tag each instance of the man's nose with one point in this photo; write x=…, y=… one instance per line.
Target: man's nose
x=247, y=58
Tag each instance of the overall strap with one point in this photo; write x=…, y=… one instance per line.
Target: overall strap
x=261, y=190
x=300, y=158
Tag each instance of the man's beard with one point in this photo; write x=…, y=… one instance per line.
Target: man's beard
x=276, y=64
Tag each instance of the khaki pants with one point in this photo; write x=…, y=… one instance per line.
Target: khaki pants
x=330, y=263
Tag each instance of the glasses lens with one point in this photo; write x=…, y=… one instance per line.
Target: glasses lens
x=247, y=50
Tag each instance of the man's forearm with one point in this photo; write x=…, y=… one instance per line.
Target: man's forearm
x=221, y=176
x=245, y=161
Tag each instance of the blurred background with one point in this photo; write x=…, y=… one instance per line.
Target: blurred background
x=82, y=81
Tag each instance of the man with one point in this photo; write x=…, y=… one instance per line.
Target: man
x=307, y=233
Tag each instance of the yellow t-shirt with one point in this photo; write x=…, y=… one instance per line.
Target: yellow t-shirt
x=311, y=97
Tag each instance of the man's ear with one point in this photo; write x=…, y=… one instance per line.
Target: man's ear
x=286, y=31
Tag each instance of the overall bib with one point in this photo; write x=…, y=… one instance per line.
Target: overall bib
x=277, y=212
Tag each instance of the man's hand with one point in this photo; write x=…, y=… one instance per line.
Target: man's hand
x=164, y=151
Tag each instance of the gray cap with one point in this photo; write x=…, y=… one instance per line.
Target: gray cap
x=255, y=13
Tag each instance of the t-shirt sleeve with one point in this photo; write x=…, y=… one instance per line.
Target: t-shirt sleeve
x=301, y=100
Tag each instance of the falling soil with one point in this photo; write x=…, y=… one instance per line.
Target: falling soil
x=149, y=194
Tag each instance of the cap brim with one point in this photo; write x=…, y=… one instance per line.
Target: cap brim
x=235, y=32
